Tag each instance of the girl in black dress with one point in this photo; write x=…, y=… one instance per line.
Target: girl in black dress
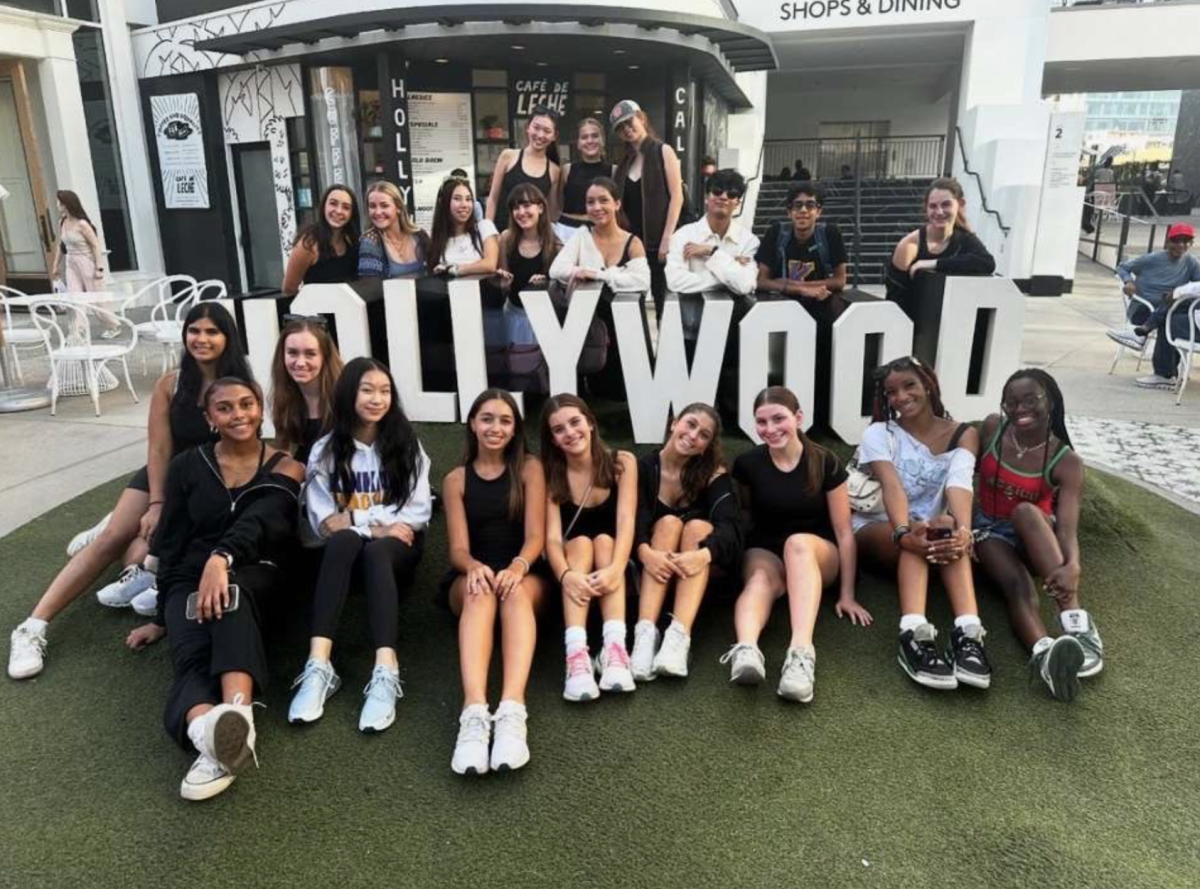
x=688, y=522
x=326, y=251
x=591, y=509
x=496, y=522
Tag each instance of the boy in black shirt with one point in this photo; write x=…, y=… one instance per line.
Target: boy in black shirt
x=802, y=257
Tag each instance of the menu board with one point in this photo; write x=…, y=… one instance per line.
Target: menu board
x=440, y=130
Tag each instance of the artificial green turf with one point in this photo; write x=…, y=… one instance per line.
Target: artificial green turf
x=692, y=784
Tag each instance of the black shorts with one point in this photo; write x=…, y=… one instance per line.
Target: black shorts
x=140, y=481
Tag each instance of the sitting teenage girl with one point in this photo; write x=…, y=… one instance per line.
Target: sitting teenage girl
x=496, y=522
x=1030, y=488
x=327, y=250
x=304, y=372
x=578, y=175
x=368, y=497
x=229, y=519
x=517, y=167
x=924, y=462
x=591, y=507
x=176, y=422
x=607, y=253
x=800, y=541
x=688, y=522
x=393, y=246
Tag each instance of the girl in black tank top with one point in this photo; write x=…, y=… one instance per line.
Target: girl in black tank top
x=578, y=175
x=542, y=133
x=517, y=176
x=495, y=518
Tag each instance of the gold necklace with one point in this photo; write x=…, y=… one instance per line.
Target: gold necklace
x=1021, y=452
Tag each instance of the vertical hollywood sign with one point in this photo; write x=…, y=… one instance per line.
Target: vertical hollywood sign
x=400, y=122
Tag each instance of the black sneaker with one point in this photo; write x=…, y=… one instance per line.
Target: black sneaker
x=920, y=659
x=1058, y=666
x=971, y=665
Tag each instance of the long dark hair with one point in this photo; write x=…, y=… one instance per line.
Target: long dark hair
x=221, y=382
x=552, y=153
x=606, y=469
x=614, y=191
x=443, y=222
x=319, y=234
x=230, y=363
x=1057, y=420
x=814, y=470
x=514, y=452
x=881, y=411
x=395, y=441
x=289, y=412
x=952, y=185
x=527, y=193
x=73, y=206
x=698, y=471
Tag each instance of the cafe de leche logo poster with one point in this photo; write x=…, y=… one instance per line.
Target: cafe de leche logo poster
x=180, y=143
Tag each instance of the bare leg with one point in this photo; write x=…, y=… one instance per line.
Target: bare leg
x=476, y=630
x=232, y=685
x=320, y=648
x=518, y=636
x=580, y=557
x=960, y=587
x=612, y=607
x=912, y=571
x=1045, y=554
x=811, y=564
x=764, y=583
x=689, y=591
x=666, y=536
x=1006, y=569
x=81, y=572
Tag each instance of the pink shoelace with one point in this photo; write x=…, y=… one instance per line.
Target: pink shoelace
x=617, y=654
x=578, y=663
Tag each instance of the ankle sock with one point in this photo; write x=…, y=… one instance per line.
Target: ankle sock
x=643, y=624
x=1075, y=620
x=195, y=731
x=35, y=625
x=911, y=622
x=1041, y=645
x=614, y=631
x=150, y=563
x=508, y=705
x=576, y=639
x=967, y=621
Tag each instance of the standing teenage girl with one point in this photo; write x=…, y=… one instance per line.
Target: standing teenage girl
x=326, y=251
x=535, y=164
x=577, y=175
x=1030, y=490
x=800, y=541
x=496, y=523
x=77, y=246
x=393, y=246
x=591, y=510
x=176, y=422
x=304, y=374
x=650, y=184
x=230, y=519
x=688, y=522
x=368, y=497
x=924, y=462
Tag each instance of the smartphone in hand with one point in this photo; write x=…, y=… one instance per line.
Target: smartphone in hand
x=235, y=599
x=939, y=533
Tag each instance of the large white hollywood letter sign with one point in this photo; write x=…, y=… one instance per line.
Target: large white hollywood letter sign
x=653, y=393
x=962, y=300
x=847, y=357
x=561, y=345
x=349, y=312
x=800, y=330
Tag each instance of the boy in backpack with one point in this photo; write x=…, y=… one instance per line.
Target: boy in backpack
x=802, y=257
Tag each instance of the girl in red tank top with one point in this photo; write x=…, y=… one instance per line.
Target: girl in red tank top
x=1027, y=516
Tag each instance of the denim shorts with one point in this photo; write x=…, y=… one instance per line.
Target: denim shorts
x=990, y=528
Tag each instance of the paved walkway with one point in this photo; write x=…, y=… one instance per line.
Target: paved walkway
x=1138, y=433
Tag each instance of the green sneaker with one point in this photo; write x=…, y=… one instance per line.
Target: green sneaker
x=1058, y=666
x=1093, y=648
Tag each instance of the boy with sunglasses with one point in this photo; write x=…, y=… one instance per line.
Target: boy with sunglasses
x=715, y=251
x=803, y=256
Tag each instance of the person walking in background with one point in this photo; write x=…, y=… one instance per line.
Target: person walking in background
x=715, y=251
x=650, y=188
x=327, y=250
x=78, y=254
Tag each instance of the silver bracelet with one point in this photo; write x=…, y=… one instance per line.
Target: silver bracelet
x=523, y=562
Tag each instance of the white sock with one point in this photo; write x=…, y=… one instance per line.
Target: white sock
x=680, y=627
x=195, y=731
x=510, y=706
x=34, y=625
x=614, y=631
x=150, y=563
x=1075, y=620
x=576, y=639
x=967, y=621
x=1041, y=645
x=911, y=622
x=642, y=625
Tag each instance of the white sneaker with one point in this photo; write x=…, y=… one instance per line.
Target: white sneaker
x=145, y=603
x=317, y=682
x=381, y=693
x=645, y=640
x=748, y=667
x=474, y=733
x=615, y=674
x=1127, y=337
x=798, y=675
x=229, y=735
x=581, y=679
x=133, y=580
x=111, y=333
x=27, y=651
x=205, y=779
x=83, y=538
x=510, y=749
x=1154, y=381
x=672, y=658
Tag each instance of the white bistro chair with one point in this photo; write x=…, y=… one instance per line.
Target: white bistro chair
x=1185, y=346
x=67, y=332
x=17, y=335
x=161, y=296
x=167, y=319
x=1147, y=346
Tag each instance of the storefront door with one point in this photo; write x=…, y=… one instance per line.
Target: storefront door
x=260, y=218
x=26, y=233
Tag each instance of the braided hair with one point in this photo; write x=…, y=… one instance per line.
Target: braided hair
x=1057, y=425
x=881, y=411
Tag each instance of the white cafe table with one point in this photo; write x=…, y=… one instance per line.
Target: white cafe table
x=73, y=375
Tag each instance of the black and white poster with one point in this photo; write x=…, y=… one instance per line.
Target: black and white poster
x=180, y=141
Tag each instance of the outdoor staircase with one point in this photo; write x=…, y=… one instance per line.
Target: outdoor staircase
x=891, y=208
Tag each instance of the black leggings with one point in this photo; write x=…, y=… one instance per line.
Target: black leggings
x=201, y=652
x=384, y=562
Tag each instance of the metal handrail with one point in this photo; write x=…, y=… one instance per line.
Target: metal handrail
x=979, y=181
x=757, y=175
x=1100, y=214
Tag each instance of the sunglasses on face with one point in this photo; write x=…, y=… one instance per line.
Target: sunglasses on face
x=1184, y=241
x=805, y=205
x=318, y=320
x=732, y=194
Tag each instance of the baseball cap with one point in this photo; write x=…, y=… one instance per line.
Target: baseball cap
x=1178, y=230
x=623, y=111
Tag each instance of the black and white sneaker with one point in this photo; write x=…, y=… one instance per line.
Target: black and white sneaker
x=971, y=665
x=1058, y=666
x=920, y=658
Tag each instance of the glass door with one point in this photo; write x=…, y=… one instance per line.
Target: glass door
x=26, y=235
x=260, y=217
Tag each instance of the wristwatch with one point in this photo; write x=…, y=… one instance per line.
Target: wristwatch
x=226, y=555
